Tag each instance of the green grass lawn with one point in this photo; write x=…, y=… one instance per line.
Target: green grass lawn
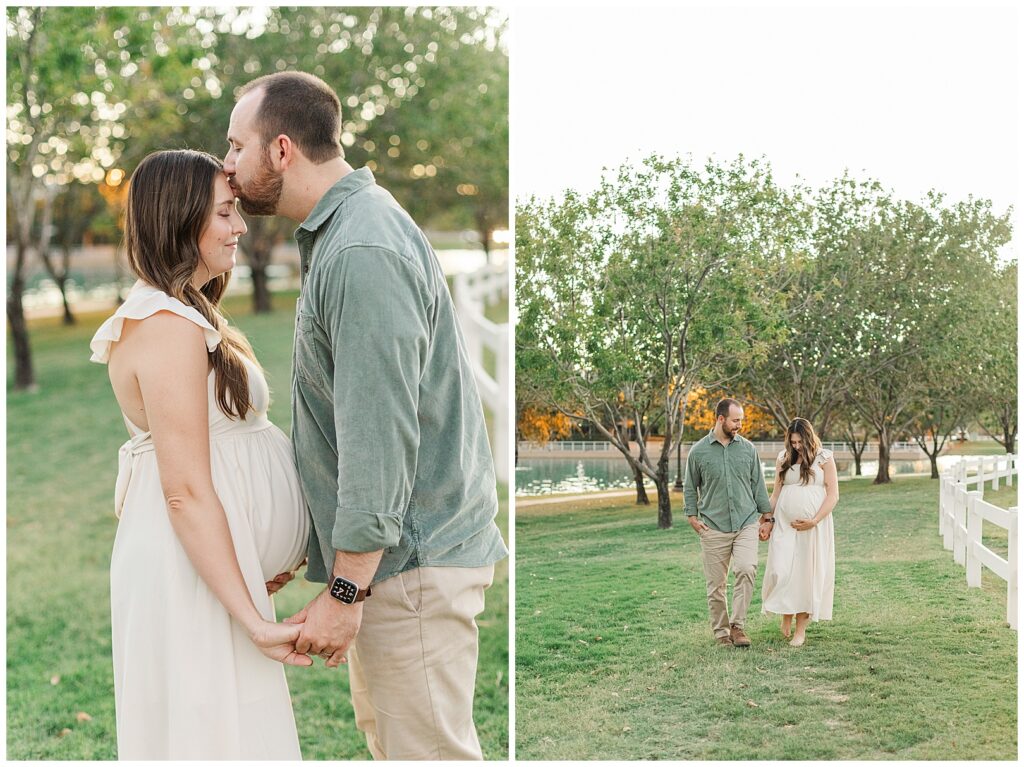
x=61, y=464
x=614, y=654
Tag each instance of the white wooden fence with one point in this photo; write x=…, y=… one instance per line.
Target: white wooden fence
x=961, y=513
x=471, y=291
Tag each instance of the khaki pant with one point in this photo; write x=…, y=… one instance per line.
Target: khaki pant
x=412, y=667
x=718, y=550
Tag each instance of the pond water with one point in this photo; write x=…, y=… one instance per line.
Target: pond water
x=544, y=476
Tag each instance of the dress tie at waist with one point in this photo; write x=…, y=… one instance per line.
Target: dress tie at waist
x=143, y=443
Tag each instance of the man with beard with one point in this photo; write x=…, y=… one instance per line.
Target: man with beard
x=724, y=491
x=387, y=426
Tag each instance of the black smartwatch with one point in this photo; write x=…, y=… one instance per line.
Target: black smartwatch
x=770, y=520
x=347, y=592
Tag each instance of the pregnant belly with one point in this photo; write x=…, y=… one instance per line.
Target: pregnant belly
x=799, y=502
x=259, y=482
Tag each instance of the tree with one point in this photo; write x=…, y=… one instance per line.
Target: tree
x=812, y=365
x=63, y=111
x=851, y=429
x=995, y=393
x=646, y=289
x=924, y=259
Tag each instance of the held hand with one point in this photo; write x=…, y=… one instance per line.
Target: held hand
x=277, y=642
x=328, y=628
x=803, y=525
x=698, y=526
x=764, y=531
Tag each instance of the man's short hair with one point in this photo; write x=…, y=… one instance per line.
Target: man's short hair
x=723, y=406
x=304, y=108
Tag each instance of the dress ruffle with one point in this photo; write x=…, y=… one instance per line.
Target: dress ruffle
x=143, y=301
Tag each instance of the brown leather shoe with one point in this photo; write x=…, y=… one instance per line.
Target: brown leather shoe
x=723, y=641
x=739, y=639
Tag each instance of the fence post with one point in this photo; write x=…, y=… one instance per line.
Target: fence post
x=1011, y=582
x=960, y=521
x=1010, y=461
x=944, y=480
x=973, y=536
x=995, y=473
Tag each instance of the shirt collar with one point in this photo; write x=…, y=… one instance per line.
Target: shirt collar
x=712, y=438
x=335, y=196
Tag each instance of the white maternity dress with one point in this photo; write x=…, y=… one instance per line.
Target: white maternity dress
x=799, y=576
x=188, y=682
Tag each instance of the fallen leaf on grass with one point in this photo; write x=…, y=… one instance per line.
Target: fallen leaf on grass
x=743, y=686
x=583, y=641
x=65, y=731
x=752, y=704
x=81, y=716
x=762, y=670
x=627, y=728
x=55, y=679
x=597, y=639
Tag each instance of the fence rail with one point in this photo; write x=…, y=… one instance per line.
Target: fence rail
x=962, y=512
x=471, y=292
x=569, y=446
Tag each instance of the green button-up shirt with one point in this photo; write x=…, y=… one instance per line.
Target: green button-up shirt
x=387, y=423
x=725, y=484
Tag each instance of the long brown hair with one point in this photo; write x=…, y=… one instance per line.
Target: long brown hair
x=170, y=198
x=809, y=447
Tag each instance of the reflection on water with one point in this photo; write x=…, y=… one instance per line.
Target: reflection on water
x=544, y=476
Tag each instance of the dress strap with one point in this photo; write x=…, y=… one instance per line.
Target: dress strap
x=143, y=301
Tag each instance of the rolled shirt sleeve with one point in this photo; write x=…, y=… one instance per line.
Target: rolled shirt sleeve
x=377, y=324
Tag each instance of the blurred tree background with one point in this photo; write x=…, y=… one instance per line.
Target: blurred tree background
x=91, y=91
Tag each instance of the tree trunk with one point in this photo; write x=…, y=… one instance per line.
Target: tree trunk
x=24, y=375
x=261, y=302
x=883, y=458
x=664, y=501
x=857, y=471
x=69, y=318
x=934, y=460
x=484, y=229
x=263, y=233
x=641, y=491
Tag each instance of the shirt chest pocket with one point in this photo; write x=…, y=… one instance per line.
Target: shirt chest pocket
x=308, y=367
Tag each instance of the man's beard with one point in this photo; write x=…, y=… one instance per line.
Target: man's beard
x=263, y=192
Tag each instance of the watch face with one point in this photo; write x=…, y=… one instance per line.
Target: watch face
x=344, y=591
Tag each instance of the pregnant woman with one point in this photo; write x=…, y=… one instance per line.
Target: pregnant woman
x=799, y=576
x=207, y=495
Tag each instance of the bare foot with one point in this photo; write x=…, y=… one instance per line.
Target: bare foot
x=799, y=633
x=786, y=620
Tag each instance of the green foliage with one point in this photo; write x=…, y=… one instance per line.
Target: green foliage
x=424, y=91
x=662, y=280
x=614, y=654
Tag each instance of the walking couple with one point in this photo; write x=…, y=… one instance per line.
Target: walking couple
x=727, y=504
x=389, y=483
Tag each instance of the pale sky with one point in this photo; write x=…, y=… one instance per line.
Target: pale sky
x=918, y=98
